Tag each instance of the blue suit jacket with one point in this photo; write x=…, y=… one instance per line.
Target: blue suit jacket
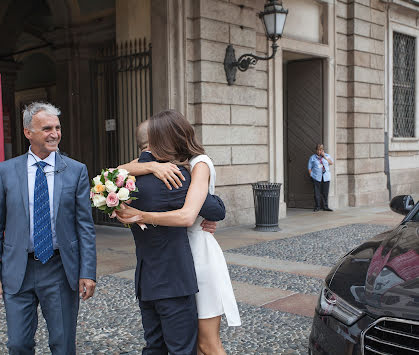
x=73, y=221
x=165, y=267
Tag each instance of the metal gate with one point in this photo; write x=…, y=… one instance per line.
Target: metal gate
x=122, y=98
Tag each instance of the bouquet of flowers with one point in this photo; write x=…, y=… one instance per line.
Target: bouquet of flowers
x=111, y=188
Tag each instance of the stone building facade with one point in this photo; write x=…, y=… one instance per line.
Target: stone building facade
x=364, y=90
x=334, y=80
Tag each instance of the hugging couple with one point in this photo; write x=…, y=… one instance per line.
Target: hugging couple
x=181, y=280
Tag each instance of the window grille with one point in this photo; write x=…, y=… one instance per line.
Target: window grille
x=404, y=85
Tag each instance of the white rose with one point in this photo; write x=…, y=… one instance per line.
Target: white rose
x=110, y=186
x=123, y=194
x=123, y=172
x=96, y=180
x=99, y=200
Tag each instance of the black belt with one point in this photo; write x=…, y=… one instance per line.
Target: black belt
x=32, y=255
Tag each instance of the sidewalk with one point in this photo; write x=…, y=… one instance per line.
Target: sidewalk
x=277, y=278
x=116, y=251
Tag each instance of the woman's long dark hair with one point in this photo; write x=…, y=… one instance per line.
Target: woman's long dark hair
x=172, y=138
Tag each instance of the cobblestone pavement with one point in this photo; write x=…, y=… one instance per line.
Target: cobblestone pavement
x=110, y=322
x=282, y=280
x=321, y=248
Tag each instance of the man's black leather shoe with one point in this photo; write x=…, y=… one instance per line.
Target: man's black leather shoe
x=327, y=209
x=316, y=209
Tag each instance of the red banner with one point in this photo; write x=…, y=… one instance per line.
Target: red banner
x=1, y=126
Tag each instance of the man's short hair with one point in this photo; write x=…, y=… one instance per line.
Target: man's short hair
x=142, y=135
x=35, y=107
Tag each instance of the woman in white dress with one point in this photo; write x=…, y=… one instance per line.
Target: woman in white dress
x=215, y=296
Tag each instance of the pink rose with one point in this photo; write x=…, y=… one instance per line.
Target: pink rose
x=120, y=180
x=130, y=185
x=112, y=200
x=91, y=194
x=105, y=174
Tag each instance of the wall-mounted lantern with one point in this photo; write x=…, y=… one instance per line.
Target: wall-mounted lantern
x=273, y=17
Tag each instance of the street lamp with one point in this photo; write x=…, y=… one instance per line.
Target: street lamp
x=273, y=17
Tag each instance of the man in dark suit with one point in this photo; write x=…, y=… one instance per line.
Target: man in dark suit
x=165, y=280
x=47, y=237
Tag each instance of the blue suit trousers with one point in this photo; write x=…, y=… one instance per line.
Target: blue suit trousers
x=46, y=285
x=170, y=326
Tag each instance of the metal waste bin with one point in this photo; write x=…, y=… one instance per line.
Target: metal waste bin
x=266, y=198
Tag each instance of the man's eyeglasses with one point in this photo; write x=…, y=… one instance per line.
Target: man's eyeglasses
x=54, y=172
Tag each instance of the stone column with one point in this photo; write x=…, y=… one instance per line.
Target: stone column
x=13, y=142
x=169, y=60
x=276, y=126
x=133, y=20
x=84, y=108
x=65, y=94
x=231, y=121
x=360, y=103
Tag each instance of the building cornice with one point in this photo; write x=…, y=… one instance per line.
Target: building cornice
x=409, y=4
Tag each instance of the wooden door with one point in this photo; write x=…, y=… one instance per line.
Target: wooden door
x=304, y=127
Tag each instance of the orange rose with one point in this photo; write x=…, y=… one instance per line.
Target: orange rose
x=99, y=188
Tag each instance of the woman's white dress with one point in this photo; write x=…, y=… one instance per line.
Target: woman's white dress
x=215, y=296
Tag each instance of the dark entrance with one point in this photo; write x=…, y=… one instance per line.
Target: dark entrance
x=122, y=98
x=304, y=127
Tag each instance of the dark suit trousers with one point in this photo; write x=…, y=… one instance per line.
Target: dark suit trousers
x=170, y=326
x=46, y=285
x=321, y=193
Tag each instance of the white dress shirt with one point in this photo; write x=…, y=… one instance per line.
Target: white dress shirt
x=49, y=170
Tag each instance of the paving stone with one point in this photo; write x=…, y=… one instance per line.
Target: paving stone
x=282, y=280
x=320, y=248
x=110, y=323
x=303, y=305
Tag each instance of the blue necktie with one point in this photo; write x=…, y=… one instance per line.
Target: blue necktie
x=42, y=234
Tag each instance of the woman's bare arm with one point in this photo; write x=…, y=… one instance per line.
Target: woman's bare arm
x=184, y=217
x=167, y=172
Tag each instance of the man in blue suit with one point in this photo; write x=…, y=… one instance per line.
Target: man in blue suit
x=165, y=280
x=47, y=237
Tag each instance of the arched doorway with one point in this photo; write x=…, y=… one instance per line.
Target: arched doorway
x=45, y=51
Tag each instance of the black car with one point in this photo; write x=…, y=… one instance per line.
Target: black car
x=370, y=300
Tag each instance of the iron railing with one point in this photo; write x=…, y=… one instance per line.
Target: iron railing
x=122, y=98
x=404, y=73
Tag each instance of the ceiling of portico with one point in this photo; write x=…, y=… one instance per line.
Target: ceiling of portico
x=26, y=24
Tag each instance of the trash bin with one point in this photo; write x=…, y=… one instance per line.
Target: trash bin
x=266, y=199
